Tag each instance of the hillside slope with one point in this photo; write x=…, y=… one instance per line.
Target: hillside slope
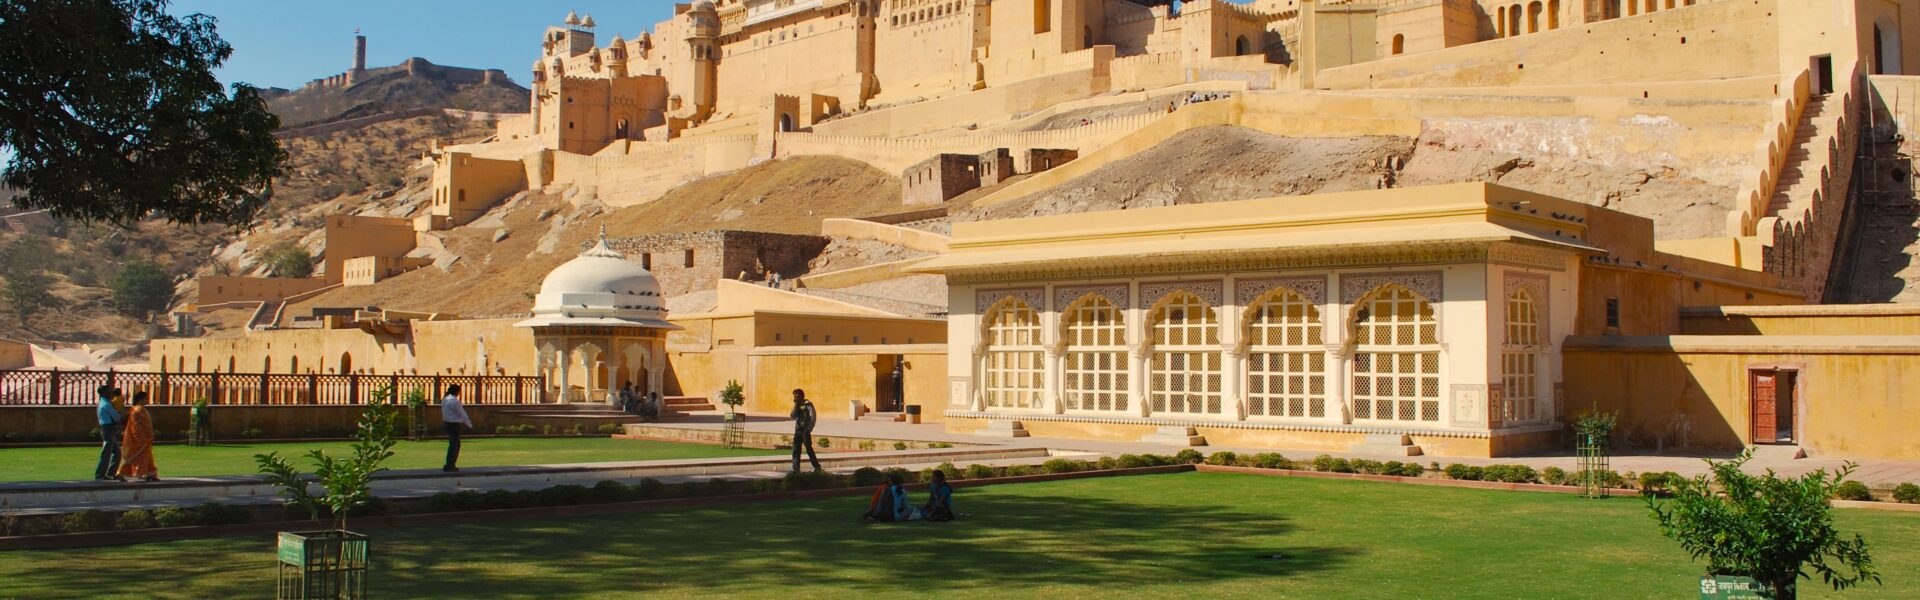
x=393, y=89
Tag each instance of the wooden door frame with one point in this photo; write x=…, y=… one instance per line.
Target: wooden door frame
x=1798, y=412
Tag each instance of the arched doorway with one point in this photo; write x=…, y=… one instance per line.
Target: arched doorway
x=621, y=130
x=1399, y=43
x=786, y=122
x=1242, y=48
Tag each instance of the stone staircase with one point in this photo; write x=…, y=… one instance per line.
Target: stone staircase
x=561, y=417
x=885, y=417
x=1800, y=175
x=676, y=406
x=1386, y=444
x=1175, y=436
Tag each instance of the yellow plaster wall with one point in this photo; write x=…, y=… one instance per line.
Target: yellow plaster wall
x=833, y=379
x=1824, y=319
x=1852, y=405
x=465, y=186
x=216, y=289
x=350, y=236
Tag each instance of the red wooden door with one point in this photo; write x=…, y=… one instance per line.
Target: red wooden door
x=1765, y=407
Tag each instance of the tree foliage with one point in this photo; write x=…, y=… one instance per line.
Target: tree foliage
x=110, y=111
x=1775, y=530
x=141, y=288
x=289, y=260
x=29, y=287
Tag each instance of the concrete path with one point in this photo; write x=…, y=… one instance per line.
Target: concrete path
x=1875, y=472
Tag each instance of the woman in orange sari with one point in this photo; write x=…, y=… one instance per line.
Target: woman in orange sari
x=136, y=445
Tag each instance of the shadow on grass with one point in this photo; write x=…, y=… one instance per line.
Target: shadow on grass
x=1015, y=542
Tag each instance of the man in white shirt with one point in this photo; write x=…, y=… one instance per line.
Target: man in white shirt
x=454, y=418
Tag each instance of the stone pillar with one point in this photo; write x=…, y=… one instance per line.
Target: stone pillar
x=1053, y=380
x=1339, y=407
x=566, y=361
x=656, y=367
x=1137, y=379
x=1233, y=395
x=979, y=355
x=615, y=362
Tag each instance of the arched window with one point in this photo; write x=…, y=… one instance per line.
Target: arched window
x=295, y=367
x=1519, y=359
x=1096, y=355
x=1399, y=43
x=1533, y=16
x=786, y=122
x=1184, y=375
x=1286, y=365
x=621, y=130
x=1500, y=23
x=1553, y=14
x=346, y=363
x=1396, y=360
x=1513, y=20
x=1042, y=16
x=1013, y=368
x=266, y=365
x=1241, y=47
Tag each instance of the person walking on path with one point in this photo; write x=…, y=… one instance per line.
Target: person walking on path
x=136, y=450
x=110, y=422
x=454, y=418
x=804, y=417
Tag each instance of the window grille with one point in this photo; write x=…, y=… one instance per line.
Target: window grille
x=1286, y=366
x=1185, y=364
x=1519, y=360
x=1396, y=362
x=1096, y=357
x=1014, y=377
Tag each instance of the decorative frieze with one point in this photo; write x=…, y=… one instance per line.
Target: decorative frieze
x=1312, y=288
x=1033, y=296
x=1527, y=256
x=1064, y=296
x=1354, y=286
x=1209, y=291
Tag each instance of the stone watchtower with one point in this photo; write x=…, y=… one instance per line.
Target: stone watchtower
x=359, y=58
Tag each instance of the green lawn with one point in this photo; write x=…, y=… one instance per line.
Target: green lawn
x=1195, y=535
x=42, y=464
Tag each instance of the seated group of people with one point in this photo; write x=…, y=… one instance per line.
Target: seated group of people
x=890, y=502
x=630, y=400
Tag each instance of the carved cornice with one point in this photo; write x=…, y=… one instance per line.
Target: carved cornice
x=1313, y=288
x=1224, y=262
x=1064, y=296
x=1354, y=286
x=1522, y=255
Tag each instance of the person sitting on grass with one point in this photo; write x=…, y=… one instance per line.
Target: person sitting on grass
x=890, y=503
x=939, y=498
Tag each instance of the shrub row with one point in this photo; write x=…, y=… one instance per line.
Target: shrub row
x=94, y=520
x=577, y=429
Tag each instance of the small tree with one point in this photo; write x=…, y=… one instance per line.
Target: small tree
x=733, y=395
x=141, y=289
x=1771, y=529
x=289, y=260
x=348, y=481
x=29, y=288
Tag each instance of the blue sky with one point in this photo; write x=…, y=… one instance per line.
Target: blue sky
x=285, y=43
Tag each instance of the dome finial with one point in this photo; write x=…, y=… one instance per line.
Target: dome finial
x=601, y=249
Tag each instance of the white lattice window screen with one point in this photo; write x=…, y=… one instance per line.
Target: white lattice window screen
x=1185, y=366
x=1519, y=360
x=1015, y=375
x=1096, y=357
x=1396, y=361
x=1286, y=365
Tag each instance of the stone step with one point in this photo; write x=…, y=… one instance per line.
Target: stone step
x=885, y=417
x=1778, y=452
x=1386, y=444
x=1175, y=436
x=1003, y=429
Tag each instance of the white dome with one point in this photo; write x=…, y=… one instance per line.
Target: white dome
x=600, y=287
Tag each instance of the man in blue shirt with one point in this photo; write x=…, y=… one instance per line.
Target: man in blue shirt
x=110, y=424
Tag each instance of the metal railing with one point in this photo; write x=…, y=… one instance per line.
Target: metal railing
x=35, y=387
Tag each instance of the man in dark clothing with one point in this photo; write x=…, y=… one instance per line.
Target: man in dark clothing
x=804, y=417
x=110, y=424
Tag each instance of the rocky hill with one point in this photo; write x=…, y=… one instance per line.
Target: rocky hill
x=414, y=84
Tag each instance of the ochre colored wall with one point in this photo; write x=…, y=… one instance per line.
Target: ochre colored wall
x=831, y=380
x=214, y=289
x=356, y=236
x=1851, y=405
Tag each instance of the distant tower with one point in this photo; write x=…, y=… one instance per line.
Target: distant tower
x=359, y=52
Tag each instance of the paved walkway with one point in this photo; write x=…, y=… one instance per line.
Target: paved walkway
x=1872, y=472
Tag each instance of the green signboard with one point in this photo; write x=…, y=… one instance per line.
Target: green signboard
x=1727, y=587
x=293, y=548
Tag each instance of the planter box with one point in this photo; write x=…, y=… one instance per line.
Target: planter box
x=322, y=564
